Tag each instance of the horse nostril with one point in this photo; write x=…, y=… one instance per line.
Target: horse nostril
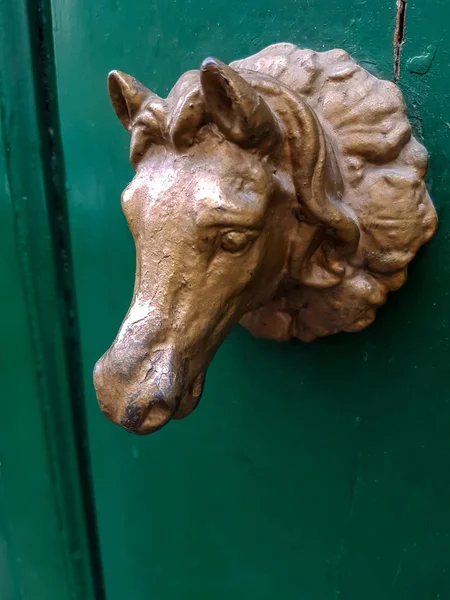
x=158, y=415
x=142, y=420
x=133, y=417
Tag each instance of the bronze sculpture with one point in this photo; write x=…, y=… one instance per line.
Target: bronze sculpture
x=284, y=192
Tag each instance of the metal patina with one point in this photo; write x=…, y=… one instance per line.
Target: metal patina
x=284, y=192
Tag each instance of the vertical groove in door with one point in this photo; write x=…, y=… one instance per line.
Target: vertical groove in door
x=41, y=42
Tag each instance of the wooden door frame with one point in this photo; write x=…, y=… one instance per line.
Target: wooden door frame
x=48, y=534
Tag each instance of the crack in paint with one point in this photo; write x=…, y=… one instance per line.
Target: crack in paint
x=399, y=35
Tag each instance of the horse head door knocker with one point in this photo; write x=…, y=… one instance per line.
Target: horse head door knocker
x=284, y=192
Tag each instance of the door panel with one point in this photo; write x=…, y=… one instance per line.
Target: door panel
x=308, y=471
x=46, y=549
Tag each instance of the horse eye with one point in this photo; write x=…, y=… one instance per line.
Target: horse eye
x=234, y=241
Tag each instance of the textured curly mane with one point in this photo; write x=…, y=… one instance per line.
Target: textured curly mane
x=383, y=168
x=360, y=200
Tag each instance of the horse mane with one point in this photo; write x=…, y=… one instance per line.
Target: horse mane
x=382, y=165
x=357, y=170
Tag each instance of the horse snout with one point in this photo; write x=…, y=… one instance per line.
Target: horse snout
x=135, y=396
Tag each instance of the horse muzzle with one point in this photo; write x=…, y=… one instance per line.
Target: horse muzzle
x=145, y=389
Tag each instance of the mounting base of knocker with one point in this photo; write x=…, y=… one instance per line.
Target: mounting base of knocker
x=284, y=191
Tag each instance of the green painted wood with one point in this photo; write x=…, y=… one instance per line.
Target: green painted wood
x=309, y=471
x=45, y=539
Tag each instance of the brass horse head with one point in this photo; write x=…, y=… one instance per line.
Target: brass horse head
x=243, y=208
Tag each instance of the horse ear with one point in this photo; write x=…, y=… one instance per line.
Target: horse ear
x=240, y=113
x=127, y=96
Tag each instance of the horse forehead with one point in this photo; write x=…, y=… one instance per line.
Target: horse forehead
x=178, y=184
x=199, y=181
x=149, y=184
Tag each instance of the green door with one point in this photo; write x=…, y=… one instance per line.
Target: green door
x=309, y=471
